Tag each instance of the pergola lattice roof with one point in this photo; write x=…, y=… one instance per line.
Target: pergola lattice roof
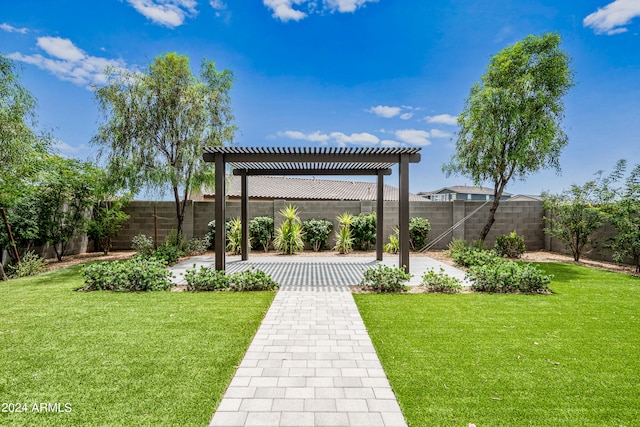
x=308, y=161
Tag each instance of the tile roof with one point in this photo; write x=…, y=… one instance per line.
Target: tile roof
x=464, y=189
x=274, y=187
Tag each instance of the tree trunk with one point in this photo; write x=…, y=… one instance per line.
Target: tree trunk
x=179, y=210
x=497, y=194
x=3, y=276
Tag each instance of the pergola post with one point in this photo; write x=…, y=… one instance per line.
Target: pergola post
x=380, y=216
x=221, y=237
x=404, y=211
x=244, y=207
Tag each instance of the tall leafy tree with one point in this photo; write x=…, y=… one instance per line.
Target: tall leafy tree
x=510, y=126
x=157, y=122
x=22, y=146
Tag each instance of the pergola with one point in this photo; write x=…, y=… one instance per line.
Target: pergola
x=248, y=161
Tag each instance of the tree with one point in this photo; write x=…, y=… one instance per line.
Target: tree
x=65, y=194
x=622, y=209
x=21, y=147
x=574, y=216
x=156, y=124
x=510, y=126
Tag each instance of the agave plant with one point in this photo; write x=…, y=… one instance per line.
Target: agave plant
x=344, y=240
x=289, y=235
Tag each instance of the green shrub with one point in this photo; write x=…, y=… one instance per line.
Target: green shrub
x=506, y=276
x=176, y=240
x=344, y=239
x=456, y=245
x=107, y=221
x=136, y=274
x=393, y=246
x=234, y=237
x=143, y=244
x=316, y=232
x=251, y=280
x=261, y=231
x=197, y=246
x=385, y=279
x=363, y=231
x=205, y=279
x=209, y=279
x=30, y=265
x=289, y=235
x=211, y=234
x=418, y=232
x=441, y=282
x=511, y=246
x=470, y=256
x=167, y=255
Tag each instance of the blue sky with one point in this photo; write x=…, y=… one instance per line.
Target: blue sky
x=340, y=72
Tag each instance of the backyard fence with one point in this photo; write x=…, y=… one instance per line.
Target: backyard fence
x=525, y=217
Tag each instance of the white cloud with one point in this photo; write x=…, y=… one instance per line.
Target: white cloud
x=340, y=138
x=170, y=13
x=437, y=133
x=445, y=119
x=300, y=136
x=11, y=29
x=346, y=5
x=221, y=9
x=60, y=48
x=218, y=4
x=391, y=143
x=68, y=62
x=291, y=10
x=284, y=11
x=612, y=18
x=405, y=112
x=363, y=138
x=65, y=148
x=413, y=136
x=385, y=111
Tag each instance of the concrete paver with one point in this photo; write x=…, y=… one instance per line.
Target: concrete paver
x=308, y=365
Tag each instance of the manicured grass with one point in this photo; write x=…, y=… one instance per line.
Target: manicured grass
x=567, y=359
x=119, y=359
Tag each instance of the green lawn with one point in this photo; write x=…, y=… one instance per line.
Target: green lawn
x=567, y=359
x=128, y=359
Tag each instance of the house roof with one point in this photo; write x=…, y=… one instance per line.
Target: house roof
x=464, y=189
x=525, y=198
x=277, y=187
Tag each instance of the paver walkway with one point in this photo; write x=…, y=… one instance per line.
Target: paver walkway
x=311, y=363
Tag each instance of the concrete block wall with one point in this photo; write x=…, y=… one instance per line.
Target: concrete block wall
x=524, y=217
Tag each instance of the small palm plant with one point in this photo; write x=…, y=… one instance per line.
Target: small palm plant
x=394, y=242
x=344, y=240
x=234, y=237
x=289, y=235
